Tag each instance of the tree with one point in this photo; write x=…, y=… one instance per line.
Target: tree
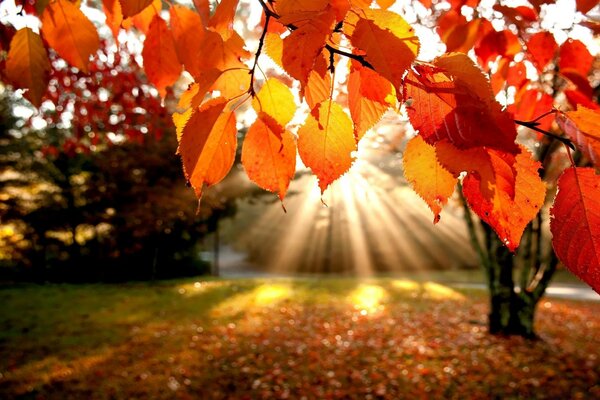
x=347, y=62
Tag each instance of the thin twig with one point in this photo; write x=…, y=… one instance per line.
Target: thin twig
x=533, y=126
x=258, y=51
x=356, y=57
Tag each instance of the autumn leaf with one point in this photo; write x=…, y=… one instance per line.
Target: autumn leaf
x=575, y=224
x=369, y=96
x=208, y=143
x=160, y=56
x=203, y=9
x=427, y=176
x=583, y=128
x=378, y=34
x=318, y=86
x=326, y=142
x=541, y=47
x=453, y=100
x=575, y=97
x=27, y=65
x=530, y=104
x=68, y=31
x=114, y=16
x=573, y=54
x=133, y=7
x=222, y=21
x=301, y=48
x=516, y=200
x=269, y=157
x=143, y=19
x=187, y=30
x=497, y=43
x=276, y=101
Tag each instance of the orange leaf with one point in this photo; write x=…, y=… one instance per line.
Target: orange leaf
x=541, y=48
x=114, y=16
x=143, y=19
x=385, y=4
x=222, y=20
x=318, y=86
x=203, y=8
x=427, y=176
x=133, y=7
x=379, y=34
x=208, y=143
x=369, y=96
x=187, y=31
x=219, y=54
x=302, y=47
x=583, y=128
x=232, y=83
x=160, y=57
x=192, y=98
x=574, y=54
x=269, y=158
x=453, y=100
x=516, y=199
x=575, y=224
x=68, y=31
x=326, y=142
x=27, y=65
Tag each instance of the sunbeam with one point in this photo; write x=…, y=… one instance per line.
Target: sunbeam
x=369, y=222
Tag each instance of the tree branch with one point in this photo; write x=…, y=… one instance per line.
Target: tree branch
x=360, y=59
x=534, y=126
x=258, y=51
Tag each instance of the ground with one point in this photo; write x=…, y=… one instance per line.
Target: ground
x=286, y=338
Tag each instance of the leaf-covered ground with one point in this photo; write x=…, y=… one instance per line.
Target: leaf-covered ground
x=253, y=339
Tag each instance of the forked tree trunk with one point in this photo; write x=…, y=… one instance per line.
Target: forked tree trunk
x=512, y=307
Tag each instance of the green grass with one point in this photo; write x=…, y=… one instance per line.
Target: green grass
x=254, y=338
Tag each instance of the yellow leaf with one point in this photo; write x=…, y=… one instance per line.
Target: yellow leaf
x=326, y=142
x=276, y=100
x=427, y=176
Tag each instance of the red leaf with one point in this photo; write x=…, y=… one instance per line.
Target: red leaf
x=575, y=55
x=453, y=100
x=575, y=224
x=541, y=47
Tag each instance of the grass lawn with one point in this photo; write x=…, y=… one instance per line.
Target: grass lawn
x=253, y=339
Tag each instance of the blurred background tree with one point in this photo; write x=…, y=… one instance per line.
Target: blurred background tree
x=91, y=186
